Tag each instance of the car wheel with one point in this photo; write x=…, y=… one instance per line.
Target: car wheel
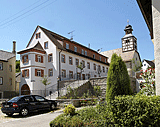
x=9, y=114
x=52, y=106
x=24, y=112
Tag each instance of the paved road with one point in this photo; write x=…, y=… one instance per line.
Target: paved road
x=34, y=120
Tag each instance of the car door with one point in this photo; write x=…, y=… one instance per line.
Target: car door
x=42, y=102
x=30, y=103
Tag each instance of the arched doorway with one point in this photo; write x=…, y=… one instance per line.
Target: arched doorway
x=25, y=90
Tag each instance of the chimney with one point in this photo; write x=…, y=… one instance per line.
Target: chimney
x=14, y=47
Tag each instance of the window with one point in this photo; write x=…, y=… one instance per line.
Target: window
x=1, y=66
x=107, y=70
x=38, y=35
x=50, y=72
x=25, y=73
x=50, y=58
x=63, y=73
x=144, y=64
x=39, y=72
x=99, y=68
x=10, y=68
x=105, y=60
x=67, y=46
x=88, y=65
x=70, y=74
x=85, y=53
x=82, y=51
x=70, y=60
x=1, y=81
x=103, y=69
x=39, y=58
x=10, y=81
x=63, y=58
x=100, y=58
x=94, y=66
x=46, y=45
x=38, y=98
x=75, y=48
x=77, y=62
x=25, y=59
x=93, y=56
x=83, y=63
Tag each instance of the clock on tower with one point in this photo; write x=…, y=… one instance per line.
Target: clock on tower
x=129, y=41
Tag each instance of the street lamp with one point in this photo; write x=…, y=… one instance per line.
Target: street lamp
x=58, y=78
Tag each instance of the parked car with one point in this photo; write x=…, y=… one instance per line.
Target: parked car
x=26, y=104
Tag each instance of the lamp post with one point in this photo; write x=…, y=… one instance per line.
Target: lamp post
x=58, y=85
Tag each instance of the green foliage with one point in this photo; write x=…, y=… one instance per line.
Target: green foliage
x=69, y=110
x=97, y=90
x=18, y=66
x=123, y=111
x=139, y=111
x=81, y=66
x=137, y=65
x=118, y=81
x=45, y=82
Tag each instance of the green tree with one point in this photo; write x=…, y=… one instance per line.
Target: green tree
x=17, y=66
x=45, y=82
x=137, y=65
x=118, y=81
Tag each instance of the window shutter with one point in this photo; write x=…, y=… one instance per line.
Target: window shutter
x=41, y=59
x=35, y=72
x=42, y=73
x=27, y=72
x=36, y=58
x=22, y=59
x=22, y=73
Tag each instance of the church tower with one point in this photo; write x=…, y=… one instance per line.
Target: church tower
x=129, y=41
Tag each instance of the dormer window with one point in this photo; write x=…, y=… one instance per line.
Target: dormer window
x=85, y=53
x=100, y=58
x=75, y=48
x=105, y=60
x=82, y=51
x=93, y=56
x=38, y=35
x=67, y=46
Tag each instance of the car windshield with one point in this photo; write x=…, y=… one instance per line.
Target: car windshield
x=15, y=99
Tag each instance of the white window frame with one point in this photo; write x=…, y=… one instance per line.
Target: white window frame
x=50, y=58
x=39, y=58
x=39, y=73
x=46, y=45
x=67, y=46
x=25, y=59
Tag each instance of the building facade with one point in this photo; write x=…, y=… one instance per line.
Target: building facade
x=7, y=73
x=151, y=13
x=57, y=57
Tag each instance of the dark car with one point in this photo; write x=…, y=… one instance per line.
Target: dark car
x=26, y=104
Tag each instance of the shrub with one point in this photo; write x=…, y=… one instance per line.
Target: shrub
x=123, y=111
x=118, y=81
x=136, y=111
x=69, y=110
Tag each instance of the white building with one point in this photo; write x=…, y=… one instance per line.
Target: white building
x=48, y=53
x=147, y=64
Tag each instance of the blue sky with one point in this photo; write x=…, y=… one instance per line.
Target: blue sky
x=98, y=22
